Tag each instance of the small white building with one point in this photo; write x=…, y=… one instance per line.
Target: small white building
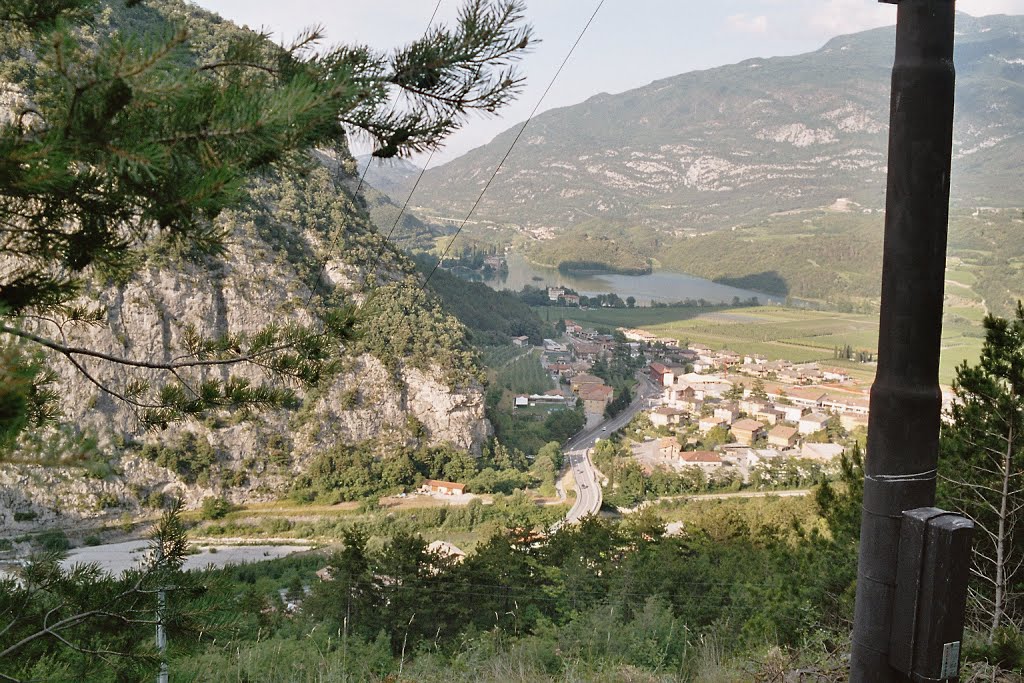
x=812, y=422
x=706, y=424
x=729, y=412
x=790, y=413
x=822, y=452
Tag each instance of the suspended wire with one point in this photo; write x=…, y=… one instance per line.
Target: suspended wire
x=387, y=238
x=514, y=141
x=337, y=233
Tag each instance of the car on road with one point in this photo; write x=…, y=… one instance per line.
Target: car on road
x=604, y=429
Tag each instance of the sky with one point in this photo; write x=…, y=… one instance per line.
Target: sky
x=629, y=44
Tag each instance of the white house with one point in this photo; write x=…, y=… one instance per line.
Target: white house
x=813, y=422
x=730, y=412
x=790, y=413
x=822, y=452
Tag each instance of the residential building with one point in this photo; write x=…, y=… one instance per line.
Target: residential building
x=791, y=413
x=587, y=350
x=706, y=460
x=706, y=424
x=751, y=406
x=762, y=456
x=822, y=452
x=596, y=398
x=555, y=293
x=583, y=379
x=551, y=398
x=521, y=341
x=783, y=436
x=846, y=403
x=665, y=416
x=851, y=422
x=768, y=414
x=560, y=369
x=522, y=401
x=729, y=412
x=812, y=422
x=748, y=431
x=668, y=448
x=809, y=397
x=639, y=335
x=659, y=373
x=552, y=345
x=835, y=375
x=447, y=488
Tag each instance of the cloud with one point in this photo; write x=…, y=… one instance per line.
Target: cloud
x=743, y=23
x=835, y=17
x=980, y=8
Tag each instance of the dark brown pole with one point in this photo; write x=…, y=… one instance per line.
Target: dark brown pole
x=903, y=428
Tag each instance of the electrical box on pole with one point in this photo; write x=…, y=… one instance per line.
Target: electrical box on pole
x=931, y=593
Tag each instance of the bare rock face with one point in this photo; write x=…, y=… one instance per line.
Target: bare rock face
x=107, y=463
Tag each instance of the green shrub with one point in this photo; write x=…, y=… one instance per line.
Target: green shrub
x=276, y=525
x=98, y=469
x=106, y=501
x=214, y=508
x=155, y=499
x=24, y=516
x=53, y=540
x=92, y=540
x=191, y=458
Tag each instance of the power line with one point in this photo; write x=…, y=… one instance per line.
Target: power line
x=387, y=238
x=359, y=186
x=514, y=141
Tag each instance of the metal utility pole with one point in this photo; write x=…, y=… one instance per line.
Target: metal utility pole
x=161, y=633
x=161, y=636
x=902, y=452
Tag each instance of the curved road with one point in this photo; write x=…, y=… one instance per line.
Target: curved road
x=577, y=450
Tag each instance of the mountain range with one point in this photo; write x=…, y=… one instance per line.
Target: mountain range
x=768, y=174
x=728, y=146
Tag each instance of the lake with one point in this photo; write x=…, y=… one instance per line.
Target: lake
x=661, y=286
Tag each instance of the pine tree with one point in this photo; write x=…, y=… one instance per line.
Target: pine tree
x=981, y=468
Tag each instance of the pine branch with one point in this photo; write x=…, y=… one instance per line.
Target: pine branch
x=69, y=351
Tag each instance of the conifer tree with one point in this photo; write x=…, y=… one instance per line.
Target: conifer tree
x=982, y=473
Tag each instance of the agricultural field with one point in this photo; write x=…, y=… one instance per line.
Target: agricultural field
x=793, y=334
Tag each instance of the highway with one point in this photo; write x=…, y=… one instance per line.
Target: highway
x=577, y=451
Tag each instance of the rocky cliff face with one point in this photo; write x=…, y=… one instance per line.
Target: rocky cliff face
x=275, y=251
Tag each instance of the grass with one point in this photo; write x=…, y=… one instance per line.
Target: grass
x=798, y=335
x=962, y=276
x=283, y=520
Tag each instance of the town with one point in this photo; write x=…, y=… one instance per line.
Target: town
x=732, y=417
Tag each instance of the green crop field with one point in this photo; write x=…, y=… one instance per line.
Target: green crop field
x=793, y=334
